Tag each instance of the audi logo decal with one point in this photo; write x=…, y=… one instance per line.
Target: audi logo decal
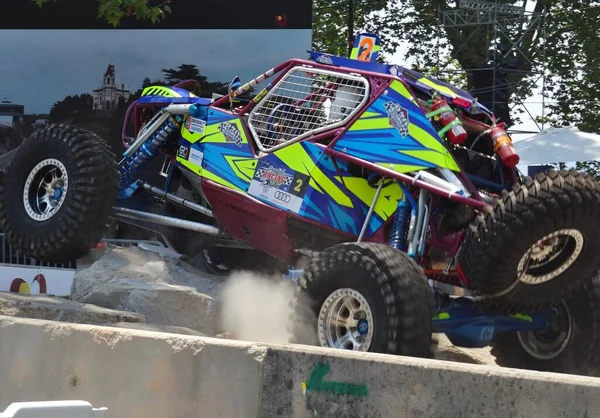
x=282, y=196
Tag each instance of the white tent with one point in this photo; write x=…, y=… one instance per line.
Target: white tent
x=554, y=145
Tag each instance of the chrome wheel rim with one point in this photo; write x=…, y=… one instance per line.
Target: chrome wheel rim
x=550, y=256
x=45, y=189
x=346, y=321
x=551, y=342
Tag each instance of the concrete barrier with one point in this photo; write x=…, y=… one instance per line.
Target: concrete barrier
x=144, y=374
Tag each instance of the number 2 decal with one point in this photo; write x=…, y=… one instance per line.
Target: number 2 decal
x=298, y=186
x=365, y=48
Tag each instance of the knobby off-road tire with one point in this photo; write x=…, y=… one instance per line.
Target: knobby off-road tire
x=393, y=287
x=87, y=166
x=565, y=201
x=571, y=345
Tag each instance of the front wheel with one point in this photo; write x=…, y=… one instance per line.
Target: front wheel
x=57, y=193
x=367, y=297
x=569, y=344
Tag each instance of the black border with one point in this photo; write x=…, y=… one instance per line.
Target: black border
x=185, y=14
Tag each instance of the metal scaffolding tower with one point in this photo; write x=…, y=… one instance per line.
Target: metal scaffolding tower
x=498, y=24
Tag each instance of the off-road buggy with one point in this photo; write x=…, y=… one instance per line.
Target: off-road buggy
x=392, y=191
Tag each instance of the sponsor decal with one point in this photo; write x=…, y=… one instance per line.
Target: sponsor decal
x=195, y=125
x=324, y=59
x=395, y=70
x=196, y=156
x=273, y=177
x=231, y=132
x=278, y=184
x=282, y=196
x=398, y=117
x=183, y=152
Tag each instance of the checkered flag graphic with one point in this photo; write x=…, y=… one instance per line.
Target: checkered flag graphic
x=231, y=132
x=398, y=117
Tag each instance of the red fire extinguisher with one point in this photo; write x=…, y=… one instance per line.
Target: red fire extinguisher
x=450, y=123
x=503, y=146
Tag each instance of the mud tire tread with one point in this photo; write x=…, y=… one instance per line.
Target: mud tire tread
x=581, y=355
x=397, y=283
x=79, y=224
x=495, y=244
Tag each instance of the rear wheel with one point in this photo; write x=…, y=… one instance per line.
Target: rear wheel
x=570, y=343
x=367, y=297
x=539, y=244
x=57, y=193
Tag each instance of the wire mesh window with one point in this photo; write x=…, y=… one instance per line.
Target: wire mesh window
x=306, y=101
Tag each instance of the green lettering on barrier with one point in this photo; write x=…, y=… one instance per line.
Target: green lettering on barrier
x=316, y=383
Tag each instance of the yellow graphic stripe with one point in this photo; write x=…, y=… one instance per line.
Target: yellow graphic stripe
x=160, y=91
x=401, y=89
x=361, y=124
x=193, y=167
x=402, y=168
x=442, y=89
x=190, y=136
x=425, y=139
x=211, y=176
x=367, y=114
x=243, y=167
x=387, y=202
x=440, y=160
x=296, y=158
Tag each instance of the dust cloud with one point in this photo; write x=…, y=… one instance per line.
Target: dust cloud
x=262, y=308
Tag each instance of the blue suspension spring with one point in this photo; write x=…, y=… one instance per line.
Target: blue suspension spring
x=400, y=226
x=129, y=168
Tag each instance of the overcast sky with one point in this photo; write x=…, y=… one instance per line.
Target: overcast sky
x=40, y=67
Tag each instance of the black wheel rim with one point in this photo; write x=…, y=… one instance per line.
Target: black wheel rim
x=551, y=342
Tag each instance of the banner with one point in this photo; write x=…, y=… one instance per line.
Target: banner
x=36, y=280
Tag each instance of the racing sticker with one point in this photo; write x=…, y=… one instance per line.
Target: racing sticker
x=196, y=156
x=183, y=152
x=324, y=59
x=395, y=70
x=231, y=132
x=195, y=125
x=279, y=184
x=398, y=117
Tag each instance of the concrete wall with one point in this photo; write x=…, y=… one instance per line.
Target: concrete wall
x=139, y=374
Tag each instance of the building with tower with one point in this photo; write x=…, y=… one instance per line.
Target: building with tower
x=107, y=96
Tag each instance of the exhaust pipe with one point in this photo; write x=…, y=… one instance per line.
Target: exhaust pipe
x=177, y=200
x=167, y=221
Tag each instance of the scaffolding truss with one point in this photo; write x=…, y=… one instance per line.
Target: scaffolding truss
x=497, y=23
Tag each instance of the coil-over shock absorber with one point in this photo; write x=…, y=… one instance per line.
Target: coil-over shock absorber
x=404, y=223
x=399, y=233
x=131, y=165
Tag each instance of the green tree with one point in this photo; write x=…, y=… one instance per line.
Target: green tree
x=574, y=65
x=70, y=107
x=572, y=53
x=184, y=72
x=114, y=11
x=190, y=72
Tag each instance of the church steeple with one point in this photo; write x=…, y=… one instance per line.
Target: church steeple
x=109, y=75
x=108, y=95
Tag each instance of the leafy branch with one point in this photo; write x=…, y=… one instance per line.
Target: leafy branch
x=114, y=11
